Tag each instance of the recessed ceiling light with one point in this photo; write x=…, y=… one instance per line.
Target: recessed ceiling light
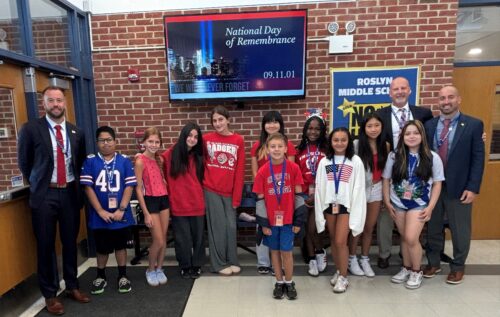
x=475, y=51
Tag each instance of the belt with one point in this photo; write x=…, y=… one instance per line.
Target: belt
x=57, y=186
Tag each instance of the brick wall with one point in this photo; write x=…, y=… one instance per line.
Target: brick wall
x=8, y=155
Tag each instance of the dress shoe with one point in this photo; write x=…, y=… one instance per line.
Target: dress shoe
x=431, y=271
x=455, y=277
x=78, y=296
x=54, y=306
x=383, y=263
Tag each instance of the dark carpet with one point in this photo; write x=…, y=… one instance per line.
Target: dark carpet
x=143, y=300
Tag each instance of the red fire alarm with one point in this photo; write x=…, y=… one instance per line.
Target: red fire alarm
x=133, y=75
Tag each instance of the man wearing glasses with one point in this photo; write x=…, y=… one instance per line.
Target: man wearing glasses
x=51, y=152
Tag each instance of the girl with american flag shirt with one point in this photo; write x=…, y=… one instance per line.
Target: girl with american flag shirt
x=340, y=199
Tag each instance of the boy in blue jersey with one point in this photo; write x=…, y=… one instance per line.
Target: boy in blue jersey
x=109, y=179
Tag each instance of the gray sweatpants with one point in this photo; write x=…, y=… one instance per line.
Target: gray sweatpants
x=221, y=225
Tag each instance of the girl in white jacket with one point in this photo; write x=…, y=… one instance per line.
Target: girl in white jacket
x=340, y=199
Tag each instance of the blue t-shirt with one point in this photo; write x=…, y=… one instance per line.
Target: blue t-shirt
x=108, y=179
x=419, y=189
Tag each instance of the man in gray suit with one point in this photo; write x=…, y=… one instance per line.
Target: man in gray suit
x=459, y=140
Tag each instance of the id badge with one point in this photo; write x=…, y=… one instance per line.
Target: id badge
x=278, y=218
x=112, y=201
x=335, y=208
x=312, y=188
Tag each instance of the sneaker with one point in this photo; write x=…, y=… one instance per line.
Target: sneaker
x=313, y=268
x=321, y=261
x=279, y=290
x=235, y=269
x=335, y=278
x=161, y=277
x=291, y=292
x=366, y=267
x=414, y=280
x=263, y=270
x=401, y=277
x=195, y=272
x=124, y=285
x=341, y=285
x=431, y=271
x=226, y=272
x=98, y=286
x=455, y=277
x=354, y=268
x=185, y=273
x=151, y=278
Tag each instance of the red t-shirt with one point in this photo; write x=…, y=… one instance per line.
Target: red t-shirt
x=305, y=163
x=290, y=151
x=376, y=173
x=263, y=184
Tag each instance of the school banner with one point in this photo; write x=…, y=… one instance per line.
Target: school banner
x=356, y=92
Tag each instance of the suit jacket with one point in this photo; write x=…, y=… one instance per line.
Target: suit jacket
x=465, y=166
x=36, y=157
x=418, y=113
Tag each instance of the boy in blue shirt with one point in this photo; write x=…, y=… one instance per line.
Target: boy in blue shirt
x=109, y=179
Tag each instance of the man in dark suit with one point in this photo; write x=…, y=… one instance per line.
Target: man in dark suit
x=394, y=117
x=51, y=152
x=458, y=139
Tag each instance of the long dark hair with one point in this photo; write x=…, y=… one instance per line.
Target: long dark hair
x=322, y=141
x=349, y=151
x=400, y=168
x=270, y=116
x=364, y=149
x=180, y=153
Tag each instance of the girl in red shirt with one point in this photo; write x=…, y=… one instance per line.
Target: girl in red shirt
x=151, y=193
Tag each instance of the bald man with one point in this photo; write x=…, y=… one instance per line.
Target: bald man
x=459, y=140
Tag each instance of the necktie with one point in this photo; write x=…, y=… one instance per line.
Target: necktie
x=443, y=139
x=61, y=164
x=403, y=118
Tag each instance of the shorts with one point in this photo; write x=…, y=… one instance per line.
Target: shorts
x=155, y=204
x=281, y=238
x=342, y=210
x=419, y=208
x=107, y=241
x=375, y=193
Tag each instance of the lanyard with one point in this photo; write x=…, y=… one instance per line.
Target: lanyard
x=61, y=146
x=109, y=173
x=314, y=161
x=400, y=122
x=335, y=178
x=440, y=141
x=283, y=170
x=412, y=167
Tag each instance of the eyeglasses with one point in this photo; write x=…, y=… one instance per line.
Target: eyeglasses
x=52, y=100
x=108, y=140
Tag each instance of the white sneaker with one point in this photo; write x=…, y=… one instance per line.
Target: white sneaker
x=401, y=277
x=161, y=277
x=151, y=278
x=335, y=278
x=313, y=268
x=415, y=280
x=321, y=261
x=366, y=267
x=354, y=268
x=341, y=285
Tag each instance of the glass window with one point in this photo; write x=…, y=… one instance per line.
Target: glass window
x=10, y=37
x=478, y=34
x=10, y=176
x=50, y=32
x=495, y=139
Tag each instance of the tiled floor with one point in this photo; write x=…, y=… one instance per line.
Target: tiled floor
x=250, y=294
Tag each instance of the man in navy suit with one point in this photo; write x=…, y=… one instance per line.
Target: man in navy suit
x=394, y=118
x=51, y=152
x=458, y=140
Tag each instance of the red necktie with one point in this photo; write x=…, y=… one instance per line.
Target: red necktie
x=443, y=139
x=61, y=164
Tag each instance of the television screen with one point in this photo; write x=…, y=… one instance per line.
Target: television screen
x=236, y=55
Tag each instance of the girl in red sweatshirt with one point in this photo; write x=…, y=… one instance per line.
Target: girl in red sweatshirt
x=224, y=154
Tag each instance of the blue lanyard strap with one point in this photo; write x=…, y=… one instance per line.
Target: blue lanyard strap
x=314, y=161
x=439, y=141
x=109, y=173
x=412, y=164
x=400, y=122
x=283, y=170
x=61, y=146
x=335, y=178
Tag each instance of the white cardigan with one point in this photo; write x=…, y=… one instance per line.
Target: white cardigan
x=351, y=194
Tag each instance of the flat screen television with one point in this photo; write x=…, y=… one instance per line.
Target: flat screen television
x=236, y=55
